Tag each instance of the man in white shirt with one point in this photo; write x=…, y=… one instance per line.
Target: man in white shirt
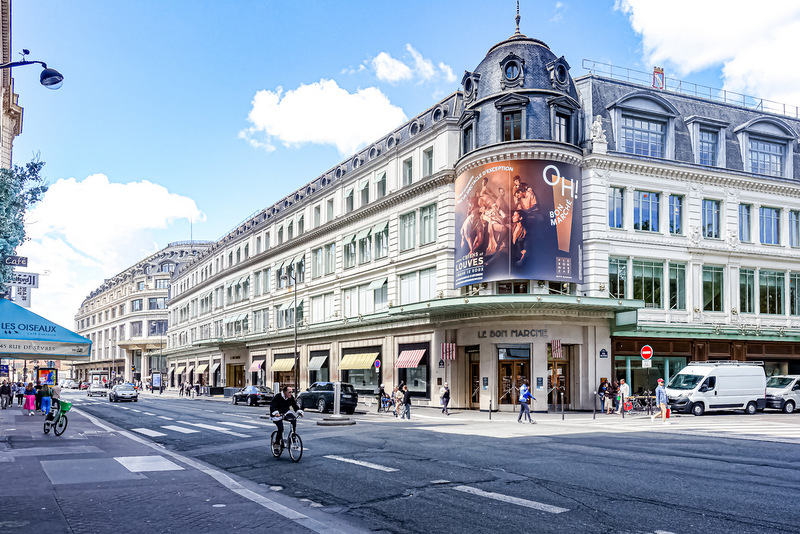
x=624, y=393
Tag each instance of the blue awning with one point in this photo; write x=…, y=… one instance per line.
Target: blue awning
x=27, y=336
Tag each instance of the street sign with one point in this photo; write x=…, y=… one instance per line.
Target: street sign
x=646, y=364
x=603, y=353
x=15, y=261
x=23, y=296
x=377, y=364
x=441, y=364
x=24, y=280
x=646, y=352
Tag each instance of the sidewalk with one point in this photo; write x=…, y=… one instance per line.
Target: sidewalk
x=98, y=478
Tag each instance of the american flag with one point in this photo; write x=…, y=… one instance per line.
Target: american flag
x=448, y=351
x=555, y=345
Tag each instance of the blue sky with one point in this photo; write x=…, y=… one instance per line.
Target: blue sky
x=156, y=120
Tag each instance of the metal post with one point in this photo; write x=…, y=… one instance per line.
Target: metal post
x=337, y=402
x=490, y=409
x=594, y=406
x=562, y=404
x=296, y=356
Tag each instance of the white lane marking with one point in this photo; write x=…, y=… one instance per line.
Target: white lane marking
x=167, y=418
x=125, y=408
x=137, y=464
x=148, y=432
x=662, y=532
x=135, y=410
x=215, y=428
x=363, y=464
x=512, y=500
x=237, y=425
x=181, y=429
x=148, y=413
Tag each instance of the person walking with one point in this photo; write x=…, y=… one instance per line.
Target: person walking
x=30, y=399
x=661, y=402
x=444, y=393
x=5, y=395
x=601, y=394
x=624, y=393
x=20, y=394
x=611, y=393
x=46, y=401
x=524, y=406
x=406, y=404
x=397, y=396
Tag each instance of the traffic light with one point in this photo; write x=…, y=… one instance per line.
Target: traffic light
x=133, y=368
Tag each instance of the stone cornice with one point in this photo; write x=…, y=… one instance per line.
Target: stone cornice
x=524, y=149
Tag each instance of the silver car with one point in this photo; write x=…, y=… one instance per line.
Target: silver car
x=123, y=392
x=96, y=388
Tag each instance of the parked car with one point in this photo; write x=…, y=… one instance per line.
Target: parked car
x=68, y=384
x=700, y=387
x=96, y=388
x=123, y=392
x=83, y=385
x=253, y=395
x=320, y=396
x=783, y=392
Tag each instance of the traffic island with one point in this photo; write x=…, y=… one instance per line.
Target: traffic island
x=336, y=421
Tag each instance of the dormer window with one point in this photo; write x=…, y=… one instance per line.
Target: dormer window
x=512, y=68
x=470, y=84
x=512, y=116
x=512, y=126
x=708, y=140
x=767, y=147
x=559, y=74
x=644, y=125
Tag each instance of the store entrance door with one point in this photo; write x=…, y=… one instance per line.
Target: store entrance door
x=512, y=372
x=475, y=385
x=557, y=383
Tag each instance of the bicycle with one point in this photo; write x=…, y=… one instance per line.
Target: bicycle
x=56, y=418
x=276, y=441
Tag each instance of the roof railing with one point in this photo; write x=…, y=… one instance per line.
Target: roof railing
x=726, y=362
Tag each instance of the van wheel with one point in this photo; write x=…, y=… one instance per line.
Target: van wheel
x=788, y=407
x=751, y=408
x=698, y=409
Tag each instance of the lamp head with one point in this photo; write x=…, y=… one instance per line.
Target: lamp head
x=51, y=78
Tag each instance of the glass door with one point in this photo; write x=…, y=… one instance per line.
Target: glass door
x=475, y=381
x=557, y=383
x=512, y=372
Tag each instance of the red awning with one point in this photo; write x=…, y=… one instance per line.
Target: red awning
x=256, y=367
x=409, y=358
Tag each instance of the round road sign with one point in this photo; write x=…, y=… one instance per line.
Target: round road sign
x=377, y=364
x=646, y=352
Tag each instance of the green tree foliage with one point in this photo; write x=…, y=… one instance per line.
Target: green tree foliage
x=20, y=189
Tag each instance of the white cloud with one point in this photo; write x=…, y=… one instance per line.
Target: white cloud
x=345, y=120
x=389, y=69
x=447, y=71
x=751, y=44
x=85, y=231
x=422, y=66
x=558, y=12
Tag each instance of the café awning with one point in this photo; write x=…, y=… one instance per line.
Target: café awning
x=201, y=369
x=28, y=336
x=409, y=359
x=180, y=370
x=358, y=361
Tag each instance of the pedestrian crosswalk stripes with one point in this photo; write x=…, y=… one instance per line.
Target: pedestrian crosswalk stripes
x=181, y=429
x=148, y=432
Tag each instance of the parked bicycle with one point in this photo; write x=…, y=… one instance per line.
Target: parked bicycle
x=278, y=443
x=56, y=418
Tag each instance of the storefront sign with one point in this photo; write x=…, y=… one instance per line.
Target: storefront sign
x=15, y=261
x=24, y=279
x=603, y=353
x=519, y=219
x=441, y=364
x=492, y=334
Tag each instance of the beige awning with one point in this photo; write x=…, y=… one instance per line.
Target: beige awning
x=256, y=366
x=299, y=258
x=190, y=369
x=282, y=364
x=214, y=368
x=358, y=361
x=180, y=370
x=201, y=369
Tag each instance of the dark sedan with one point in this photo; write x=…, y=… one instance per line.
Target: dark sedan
x=253, y=395
x=320, y=396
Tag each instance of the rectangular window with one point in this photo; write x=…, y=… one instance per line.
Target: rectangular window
x=677, y=286
x=427, y=224
x=708, y=147
x=300, y=270
x=645, y=211
x=329, y=210
x=256, y=283
x=330, y=258
x=380, y=185
x=408, y=172
x=647, y=279
x=747, y=291
x=349, y=251
x=744, y=222
x=794, y=228
x=317, y=216
x=408, y=230
x=676, y=215
x=770, y=292
x=712, y=288
x=615, y=207
x=617, y=277
x=365, y=249
x=382, y=242
x=364, y=194
x=561, y=128
x=766, y=157
x=794, y=293
x=348, y=200
x=512, y=126
x=409, y=291
x=301, y=227
x=711, y=220
x=317, y=264
x=381, y=297
x=350, y=301
x=136, y=329
x=770, y=226
x=427, y=162
x=157, y=328
x=280, y=235
x=467, y=140
x=267, y=280
x=136, y=305
x=427, y=284
x=162, y=283
x=644, y=137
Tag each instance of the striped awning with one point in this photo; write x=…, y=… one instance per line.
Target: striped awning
x=180, y=370
x=282, y=364
x=316, y=363
x=358, y=361
x=214, y=368
x=201, y=369
x=409, y=358
x=256, y=366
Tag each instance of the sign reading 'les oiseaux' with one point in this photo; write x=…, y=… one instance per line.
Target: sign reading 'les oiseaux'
x=519, y=219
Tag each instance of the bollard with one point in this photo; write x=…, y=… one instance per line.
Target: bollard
x=490, y=409
x=562, y=405
x=622, y=406
x=594, y=406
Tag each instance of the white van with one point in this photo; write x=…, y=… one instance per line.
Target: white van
x=783, y=392
x=711, y=386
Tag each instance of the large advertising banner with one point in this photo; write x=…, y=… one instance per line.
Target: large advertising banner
x=519, y=219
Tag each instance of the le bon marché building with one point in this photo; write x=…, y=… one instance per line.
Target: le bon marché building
x=531, y=226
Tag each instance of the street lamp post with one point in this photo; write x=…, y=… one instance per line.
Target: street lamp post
x=285, y=277
x=50, y=78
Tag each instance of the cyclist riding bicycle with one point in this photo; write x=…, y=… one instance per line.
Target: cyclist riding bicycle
x=280, y=406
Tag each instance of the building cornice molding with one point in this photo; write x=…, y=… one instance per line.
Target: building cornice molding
x=517, y=150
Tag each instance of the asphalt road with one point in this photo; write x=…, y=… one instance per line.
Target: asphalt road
x=443, y=475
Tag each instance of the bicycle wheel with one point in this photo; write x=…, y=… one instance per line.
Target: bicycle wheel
x=61, y=425
x=295, y=447
x=47, y=425
x=275, y=444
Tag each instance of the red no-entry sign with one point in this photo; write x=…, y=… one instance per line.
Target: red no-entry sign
x=646, y=352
